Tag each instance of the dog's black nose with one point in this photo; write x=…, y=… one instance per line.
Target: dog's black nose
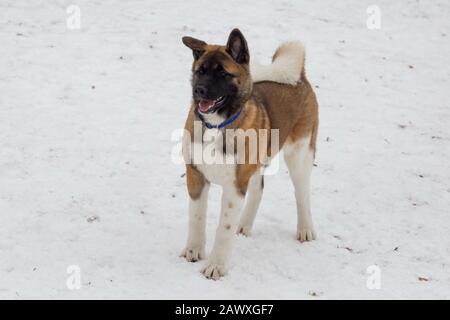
x=200, y=91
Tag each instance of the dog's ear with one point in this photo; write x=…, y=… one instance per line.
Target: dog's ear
x=237, y=47
x=197, y=46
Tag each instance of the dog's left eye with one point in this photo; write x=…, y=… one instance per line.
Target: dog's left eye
x=224, y=74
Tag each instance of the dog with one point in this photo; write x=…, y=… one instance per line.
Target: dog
x=229, y=95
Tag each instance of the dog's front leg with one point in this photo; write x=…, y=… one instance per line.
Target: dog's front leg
x=232, y=202
x=198, y=200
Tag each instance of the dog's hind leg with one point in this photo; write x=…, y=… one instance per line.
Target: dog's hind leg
x=299, y=157
x=255, y=190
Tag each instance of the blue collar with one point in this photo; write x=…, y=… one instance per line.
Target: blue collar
x=223, y=124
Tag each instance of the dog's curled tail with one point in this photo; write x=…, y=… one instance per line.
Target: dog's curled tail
x=287, y=65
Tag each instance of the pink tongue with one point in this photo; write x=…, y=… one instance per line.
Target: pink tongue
x=205, y=105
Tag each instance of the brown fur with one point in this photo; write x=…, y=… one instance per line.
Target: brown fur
x=195, y=181
x=291, y=109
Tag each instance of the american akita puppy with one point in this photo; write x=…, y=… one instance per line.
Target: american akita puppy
x=228, y=97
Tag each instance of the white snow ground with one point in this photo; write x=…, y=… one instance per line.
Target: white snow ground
x=86, y=118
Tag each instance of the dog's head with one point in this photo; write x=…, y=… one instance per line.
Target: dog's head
x=221, y=80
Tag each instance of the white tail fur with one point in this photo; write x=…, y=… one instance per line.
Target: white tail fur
x=286, y=66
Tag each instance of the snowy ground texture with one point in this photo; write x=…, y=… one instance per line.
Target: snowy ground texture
x=86, y=177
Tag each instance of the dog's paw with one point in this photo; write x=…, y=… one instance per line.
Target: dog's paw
x=193, y=254
x=214, y=271
x=306, y=234
x=244, y=230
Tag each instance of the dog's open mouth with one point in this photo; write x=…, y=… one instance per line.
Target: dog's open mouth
x=206, y=106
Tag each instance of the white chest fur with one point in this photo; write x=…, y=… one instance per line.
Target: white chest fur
x=216, y=166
